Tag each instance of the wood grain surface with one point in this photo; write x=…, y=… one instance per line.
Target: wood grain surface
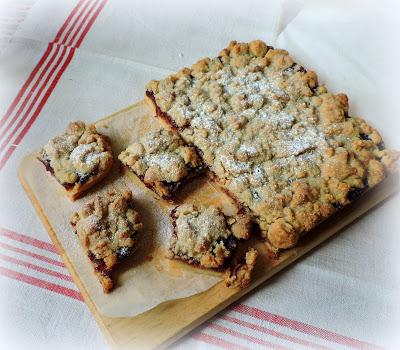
x=170, y=320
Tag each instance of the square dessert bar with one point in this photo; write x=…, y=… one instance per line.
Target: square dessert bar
x=274, y=138
x=205, y=236
x=78, y=159
x=162, y=162
x=107, y=228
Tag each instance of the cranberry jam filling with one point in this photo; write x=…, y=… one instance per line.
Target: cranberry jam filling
x=81, y=178
x=162, y=114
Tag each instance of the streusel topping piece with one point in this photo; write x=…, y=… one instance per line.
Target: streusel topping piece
x=77, y=154
x=107, y=228
x=204, y=235
x=161, y=158
x=239, y=276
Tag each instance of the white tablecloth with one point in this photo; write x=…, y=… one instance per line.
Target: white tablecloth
x=85, y=59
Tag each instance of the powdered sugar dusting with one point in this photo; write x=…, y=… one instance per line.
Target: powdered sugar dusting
x=249, y=149
x=295, y=144
x=198, y=231
x=254, y=125
x=280, y=120
x=261, y=100
x=86, y=158
x=163, y=160
x=233, y=165
x=71, y=158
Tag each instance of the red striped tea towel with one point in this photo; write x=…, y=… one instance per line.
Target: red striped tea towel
x=88, y=58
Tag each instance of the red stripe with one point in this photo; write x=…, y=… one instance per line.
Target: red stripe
x=38, y=65
x=25, y=86
x=210, y=339
x=19, y=237
x=12, y=147
x=46, y=96
x=7, y=156
x=89, y=13
x=76, y=8
x=36, y=268
x=41, y=283
x=37, y=94
x=276, y=334
x=33, y=88
x=33, y=255
x=78, y=44
x=249, y=338
x=75, y=21
x=304, y=328
x=38, y=110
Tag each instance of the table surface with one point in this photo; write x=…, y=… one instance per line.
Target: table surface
x=84, y=59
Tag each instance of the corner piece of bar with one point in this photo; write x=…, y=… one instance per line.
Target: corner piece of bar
x=78, y=159
x=273, y=137
x=107, y=229
x=162, y=161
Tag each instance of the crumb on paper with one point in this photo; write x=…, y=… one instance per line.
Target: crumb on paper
x=240, y=275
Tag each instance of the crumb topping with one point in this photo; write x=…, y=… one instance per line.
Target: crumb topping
x=202, y=235
x=240, y=275
x=281, y=143
x=160, y=156
x=76, y=154
x=199, y=230
x=107, y=228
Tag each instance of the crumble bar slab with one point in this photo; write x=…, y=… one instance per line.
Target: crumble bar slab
x=162, y=161
x=107, y=228
x=78, y=159
x=204, y=236
x=273, y=137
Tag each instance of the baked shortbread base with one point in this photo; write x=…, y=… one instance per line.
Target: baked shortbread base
x=275, y=139
x=78, y=159
x=107, y=228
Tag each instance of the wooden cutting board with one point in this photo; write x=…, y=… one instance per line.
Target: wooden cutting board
x=170, y=320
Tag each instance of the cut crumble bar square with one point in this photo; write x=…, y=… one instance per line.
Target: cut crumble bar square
x=162, y=161
x=107, y=228
x=78, y=159
x=205, y=236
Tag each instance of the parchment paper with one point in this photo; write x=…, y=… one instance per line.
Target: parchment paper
x=147, y=278
x=349, y=285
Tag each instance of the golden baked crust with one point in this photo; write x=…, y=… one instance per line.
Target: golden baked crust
x=107, y=227
x=282, y=144
x=78, y=159
x=204, y=236
x=162, y=161
x=240, y=275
